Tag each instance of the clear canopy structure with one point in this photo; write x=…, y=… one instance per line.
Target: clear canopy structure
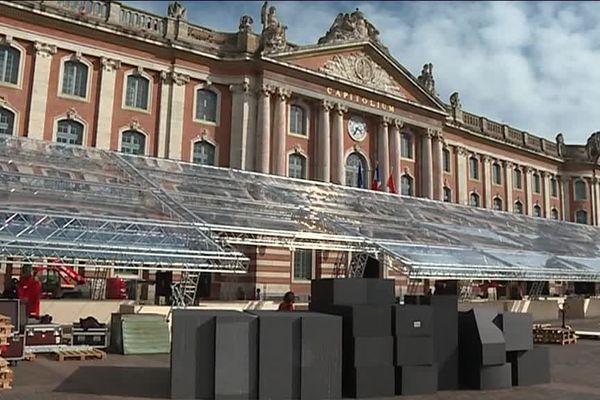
x=205, y=212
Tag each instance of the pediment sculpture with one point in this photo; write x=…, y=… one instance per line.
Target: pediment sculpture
x=349, y=27
x=361, y=69
x=177, y=10
x=274, y=34
x=426, y=79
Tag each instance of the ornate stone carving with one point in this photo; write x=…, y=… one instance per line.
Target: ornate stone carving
x=461, y=151
x=283, y=94
x=246, y=22
x=433, y=133
x=456, y=108
x=426, y=79
x=72, y=113
x=385, y=121
x=134, y=124
x=508, y=164
x=274, y=34
x=592, y=148
x=175, y=78
x=361, y=69
x=560, y=144
x=44, y=49
x=398, y=123
x=6, y=39
x=265, y=90
x=3, y=101
x=177, y=10
x=341, y=109
x=326, y=105
x=348, y=27
x=243, y=87
x=109, y=64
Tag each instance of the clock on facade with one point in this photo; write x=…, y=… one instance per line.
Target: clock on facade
x=357, y=128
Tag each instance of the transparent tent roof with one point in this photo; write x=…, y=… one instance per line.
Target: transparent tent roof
x=432, y=239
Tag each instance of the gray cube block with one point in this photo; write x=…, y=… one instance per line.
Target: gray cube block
x=412, y=320
x=531, y=367
x=205, y=361
x=517, y=329
x=414, y=380
x=369, y=351
x=366, y=382
x=338, y=291
x=486, y=377
x=381, y=291
x=362, y=319
x=481, y=341
x=413, y=350
x=321, y=357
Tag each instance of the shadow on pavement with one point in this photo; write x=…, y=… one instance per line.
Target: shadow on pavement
x=119, y=381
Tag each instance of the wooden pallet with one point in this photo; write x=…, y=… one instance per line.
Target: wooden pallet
x=554, y=335
x=80, y=355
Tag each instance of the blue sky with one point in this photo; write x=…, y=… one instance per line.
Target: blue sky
x=534, y=66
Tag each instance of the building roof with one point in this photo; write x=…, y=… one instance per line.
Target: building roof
x=426, y=239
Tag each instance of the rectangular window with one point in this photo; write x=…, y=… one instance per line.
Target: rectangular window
x=554, y=187
x=136, y=94
x=474, y=167
x=75, y=79
x=9, y=64
x=536, y=183
x=518, y=179
x=497, y=174
x=303, y=264
x=446, y=160
x=406, y=146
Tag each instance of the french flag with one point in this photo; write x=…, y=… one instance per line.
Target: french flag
x=376, y=179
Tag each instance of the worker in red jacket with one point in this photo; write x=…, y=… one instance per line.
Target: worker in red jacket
x=288, y=302
x=30, y=291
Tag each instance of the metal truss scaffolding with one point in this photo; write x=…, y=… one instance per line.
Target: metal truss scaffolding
x=82, y=203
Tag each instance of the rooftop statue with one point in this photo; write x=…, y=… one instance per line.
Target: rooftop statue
x=426, y=79
x=592, y=148
x=348, y=27
x=274, y=33
x=177, y=10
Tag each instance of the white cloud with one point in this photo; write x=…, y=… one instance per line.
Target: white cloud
x=531, y=65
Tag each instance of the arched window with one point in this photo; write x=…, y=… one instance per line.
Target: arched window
x=7, y=121
x=581, y=217
x=554, y=187
x=133, y=142
x=297, y=166
x=75, y=77
x=406, y=185
x=297, y=120
x=497, y=172
x=447, y=194
x=406, y=145
x=537, y=211
x=10, y=59
x=474, y=168
x=474, y=200
x=136, y=95
x=69, y=131
x=518, y=179
x=537, y=187
x=497, y=204
x=518, y=207
x=554, y=213
x=580, y=190
x=204, y=153
x=206, y=105
x=446, y=155
x=356, y=170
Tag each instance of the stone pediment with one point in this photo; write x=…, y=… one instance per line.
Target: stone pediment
x=361, y=69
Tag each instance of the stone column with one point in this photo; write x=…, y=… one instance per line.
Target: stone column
x=546, y=193
x=565, y=197
x=508, y=181
x=243, y=108
x=280, y=130
x=528, y=190
x=462, y=175
x=324, y=143
x=337, y=154
x=264, y=130
x=106, y=102
x=39, y=92
x=427, y=165
x=383, y=153
x=438, y=166
x=396, y=152
x=178, y=82
x=164, y=115
x=487, y=181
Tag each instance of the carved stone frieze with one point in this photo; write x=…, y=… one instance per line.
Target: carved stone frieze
x=110, y=64
x=44, y=49
x=361, y=69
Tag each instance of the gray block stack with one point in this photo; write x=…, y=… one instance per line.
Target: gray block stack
x=416, y=372
x=530, y=365
x=482, y=352
x=368, y=345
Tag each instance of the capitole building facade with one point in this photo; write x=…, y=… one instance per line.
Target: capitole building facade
x=103, y=74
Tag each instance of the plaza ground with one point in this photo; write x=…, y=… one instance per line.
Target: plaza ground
x=575, y=375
